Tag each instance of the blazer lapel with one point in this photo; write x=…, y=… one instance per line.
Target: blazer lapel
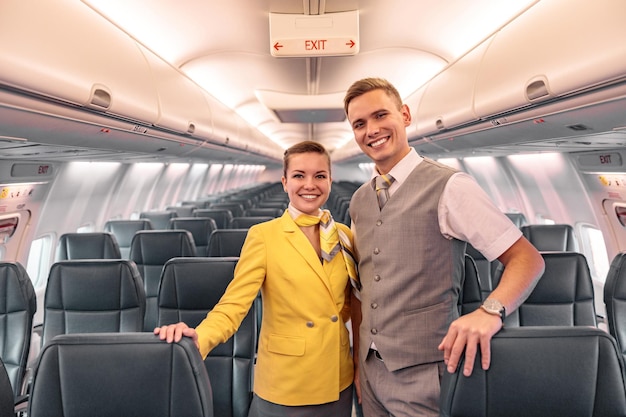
x=301, y=244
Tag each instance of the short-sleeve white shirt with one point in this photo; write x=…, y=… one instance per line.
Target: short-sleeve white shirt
x=465, y=211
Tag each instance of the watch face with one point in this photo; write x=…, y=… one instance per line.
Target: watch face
x=493, y=306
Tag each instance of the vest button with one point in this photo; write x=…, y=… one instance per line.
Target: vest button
x=334, y=318
x=376, y=278
x=379, y=222
x=376, y=251
x=374, y=305
x=374, y=331
x=309, y=324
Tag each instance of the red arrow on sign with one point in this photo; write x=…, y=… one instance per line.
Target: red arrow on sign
x=351, y=43
x=277, y=46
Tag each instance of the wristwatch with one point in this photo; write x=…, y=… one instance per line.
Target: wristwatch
x=493, y=306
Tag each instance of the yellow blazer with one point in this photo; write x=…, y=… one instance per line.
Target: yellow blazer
x=304, y=349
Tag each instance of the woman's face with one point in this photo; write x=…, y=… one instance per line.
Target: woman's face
x=307, y=182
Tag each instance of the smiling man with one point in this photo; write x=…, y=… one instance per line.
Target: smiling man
x=411, y=257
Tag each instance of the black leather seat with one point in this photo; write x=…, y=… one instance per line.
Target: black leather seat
x=486, y=270
x=120, y=374
x=517, y=218
x=541, y=372
x=563, y=296
x=199, y=227
x=124, y=230
x=222, y=216
x=182, y=211
x=160, y=219
x=150, y=250
x=190, y=288
x=471, y=296
x=226, y=242
x=551, y=237
x=7, y=398
x=18, y=305
x=615, y=300
x=246, y=222
x=96, y=245
x=93, y=296
x=236, y=208
x=264, y=211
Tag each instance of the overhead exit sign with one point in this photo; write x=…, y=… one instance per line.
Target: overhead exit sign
x=331, y=34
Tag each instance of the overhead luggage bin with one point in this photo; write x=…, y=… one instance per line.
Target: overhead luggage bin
x=448, y=99
x=181, y=103
x=65, y=51
x=555, y=48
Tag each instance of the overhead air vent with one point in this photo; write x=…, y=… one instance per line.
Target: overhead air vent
x=191, y=128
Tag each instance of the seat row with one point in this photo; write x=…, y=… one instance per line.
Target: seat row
x=107, y=296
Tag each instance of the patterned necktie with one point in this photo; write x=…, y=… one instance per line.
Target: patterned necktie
x=382, y=189
x=332, y=240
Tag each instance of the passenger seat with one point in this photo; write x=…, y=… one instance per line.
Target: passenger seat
x=97, y=245
x=551, y=237
x=124, y=230
x=563, y=295
x=150, y=250
x=92, y=296
x=615, y=300
x=18, y=305
x=190, y=288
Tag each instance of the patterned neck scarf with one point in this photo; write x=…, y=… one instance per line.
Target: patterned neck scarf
x=332, y=240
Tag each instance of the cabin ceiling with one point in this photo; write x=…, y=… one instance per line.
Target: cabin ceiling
x=223, y=46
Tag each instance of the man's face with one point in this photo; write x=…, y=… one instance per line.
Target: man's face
x=379, y=128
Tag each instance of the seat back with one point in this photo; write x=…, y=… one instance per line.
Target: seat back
x=471, y=296
x=190, y=288
x=615, y=300
x=199, y=227
x=93, y=296
x=551, y=237
x=541, y=372
x=150, y=250
x=124, y=230
x=563, y=295
x=264, y=211
x=486, y=270
x=185, y=210
x=160, y=219
x=123, y=374
x=517, y=218
x=246, y=222
x=7, y=397
x=226, y=242
x=17, y=307
x=97, y=245
x=236, y=208
x=221, y=216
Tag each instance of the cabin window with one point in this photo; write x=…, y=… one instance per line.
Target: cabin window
x=39, y=258
x=595, y=250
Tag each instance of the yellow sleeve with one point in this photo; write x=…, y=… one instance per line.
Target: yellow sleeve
x=226, y=317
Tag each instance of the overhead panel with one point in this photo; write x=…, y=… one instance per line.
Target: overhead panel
x=330, y=34
x=65, y=51
x=555, y=48
x=182, y=105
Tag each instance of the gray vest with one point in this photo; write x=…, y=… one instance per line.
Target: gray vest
x=410, y=273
